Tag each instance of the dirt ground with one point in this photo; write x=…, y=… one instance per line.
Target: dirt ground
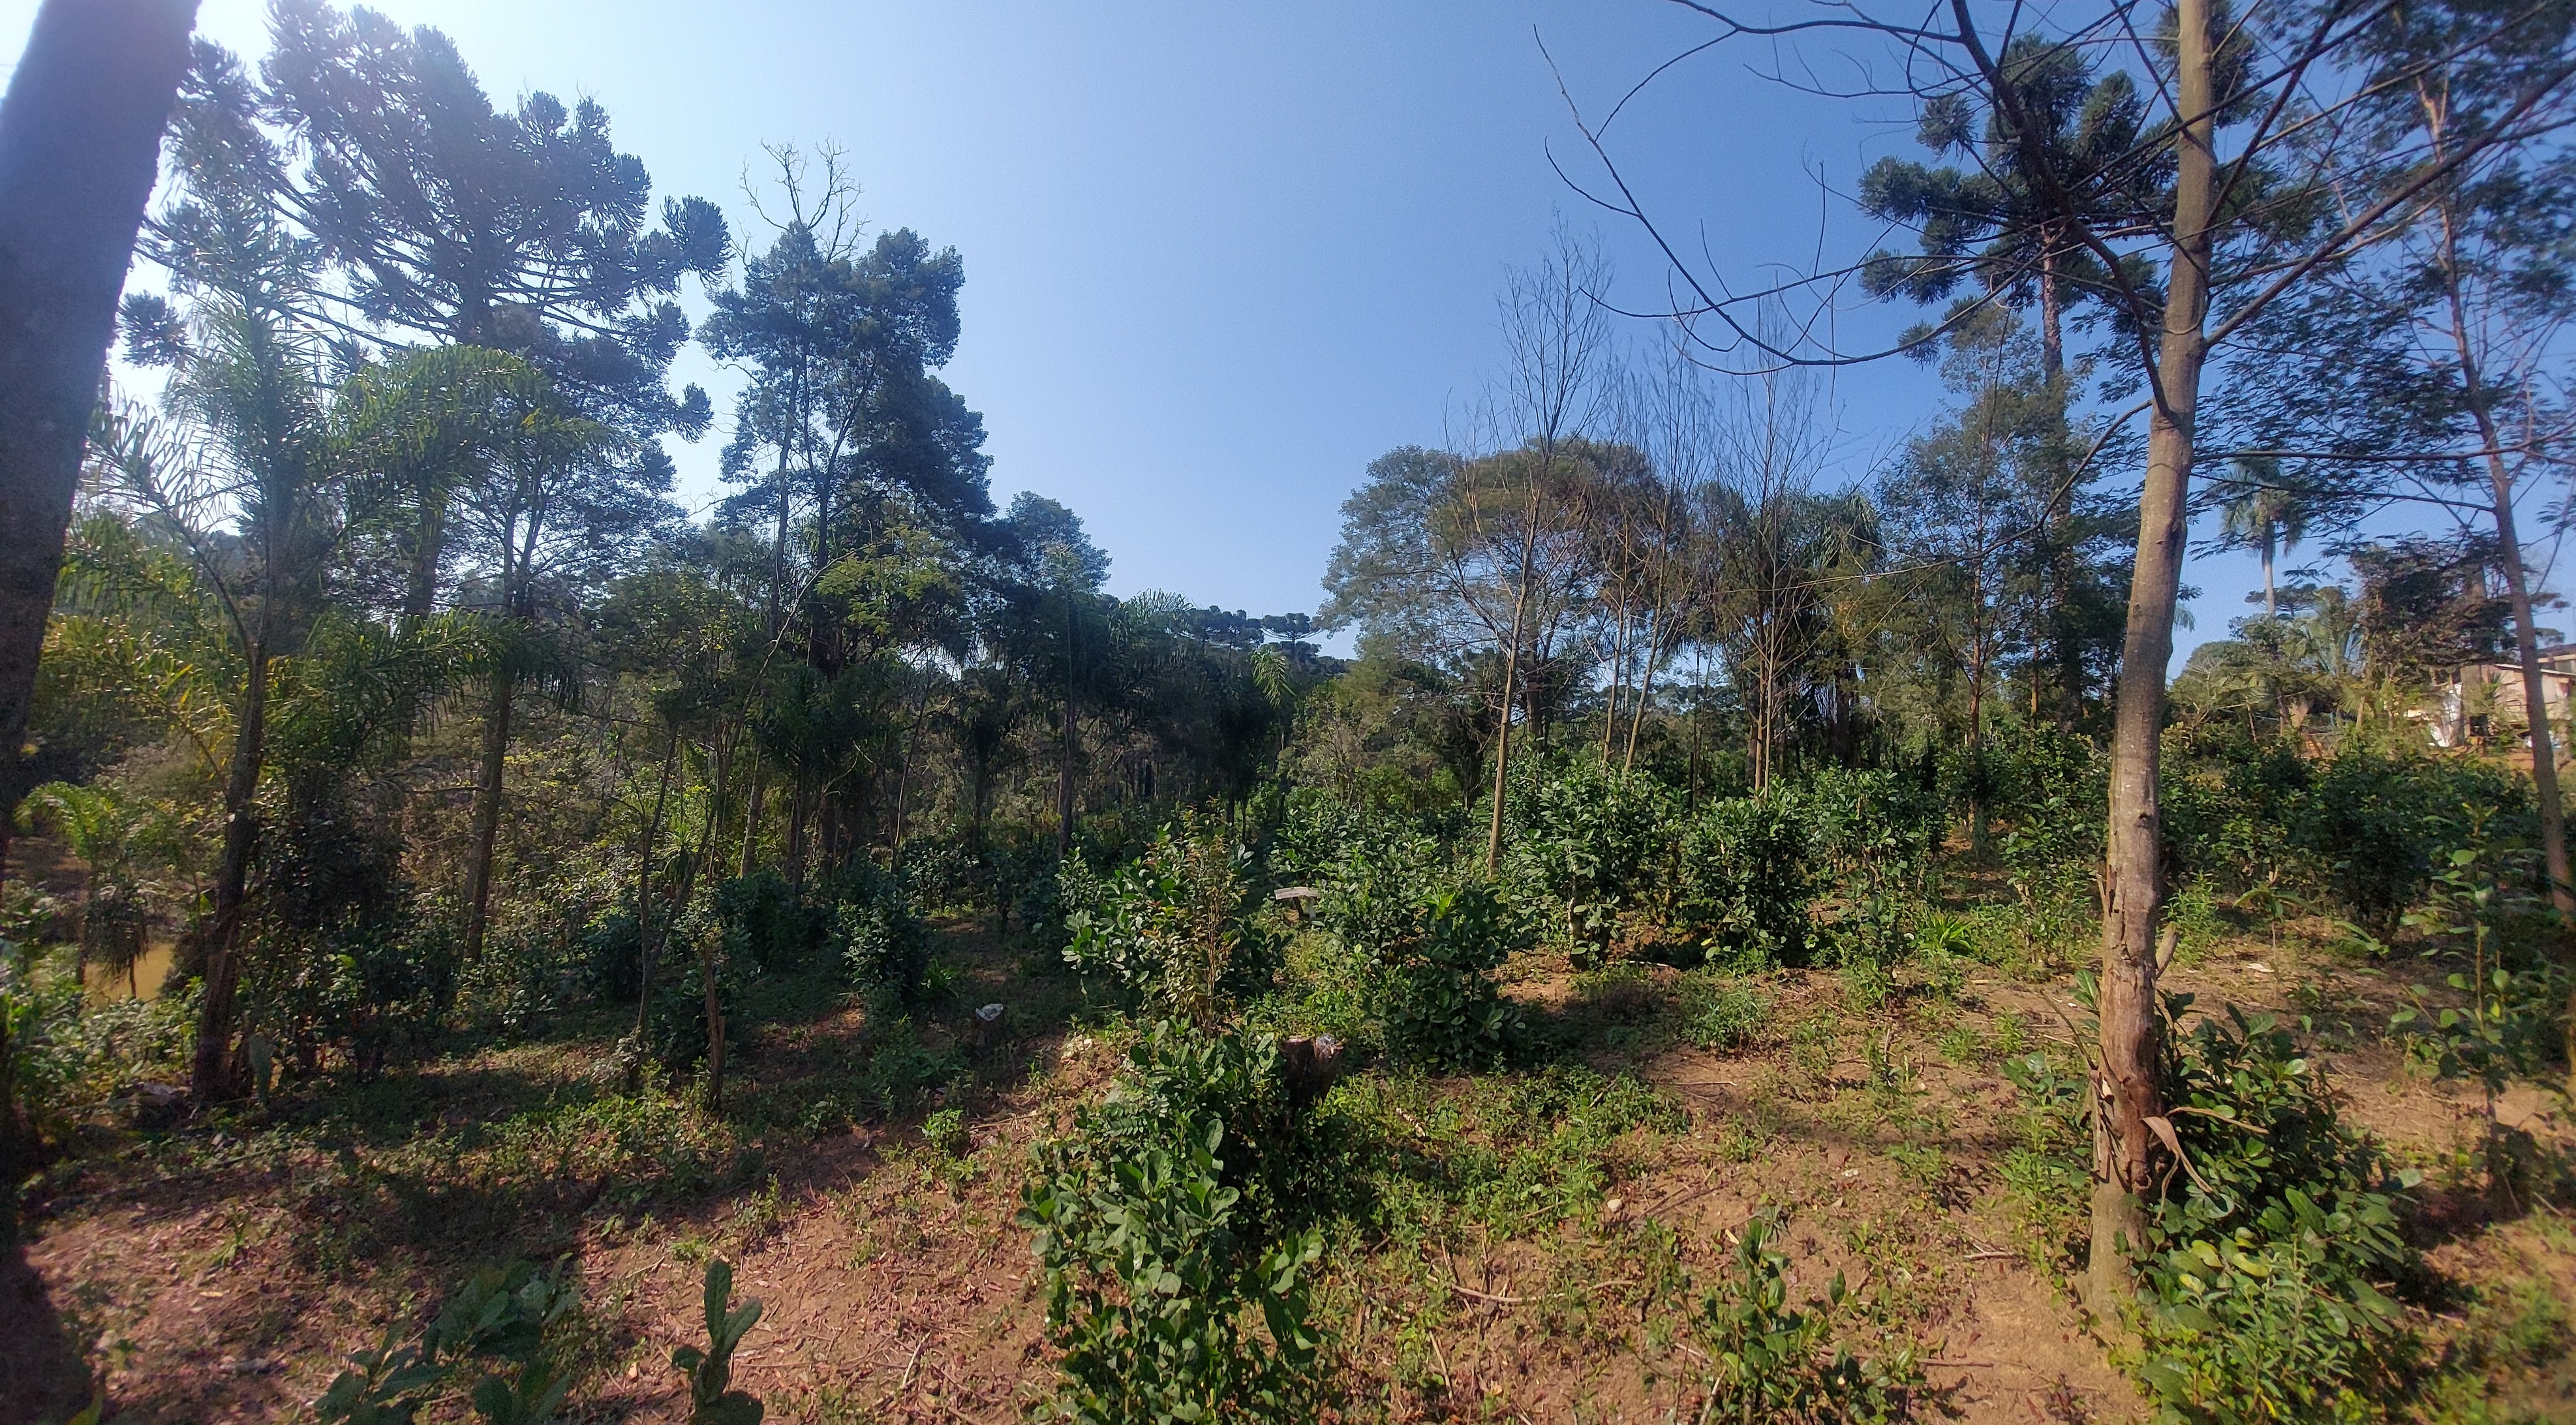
x=220, y=1275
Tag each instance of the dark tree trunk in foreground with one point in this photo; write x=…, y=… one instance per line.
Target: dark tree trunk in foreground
x=80, y=143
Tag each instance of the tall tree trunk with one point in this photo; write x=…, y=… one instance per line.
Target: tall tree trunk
x=1618, y=673
x=487, y=806
x=2535, y=708
x=1068, y=753
x=2271, y=601
x=2526, y=639
x=800, y=812
x=2128, y=1092
x=429, y=544
x=706, y=944
x=751, y=807
x=80, y=145
x=210, y=1068
x=2052, y=337
x=646, y=950
x=1503, y=721
x=1645, y=694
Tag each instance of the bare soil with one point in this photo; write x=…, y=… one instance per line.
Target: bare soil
x=221, y=1272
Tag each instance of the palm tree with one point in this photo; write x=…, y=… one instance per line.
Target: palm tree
x=2263, y=514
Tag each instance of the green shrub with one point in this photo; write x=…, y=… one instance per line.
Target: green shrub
x=1441, y=1003
x=1167, y=928
x=883, y=943
x=2379, y=825
x=1584, y=841
x=2055, y=787
x=767, y=925
x=1774, y=1362
x=1166, y=1225
x=1742, y=882
x=2263, y=1269
x=676, y=1026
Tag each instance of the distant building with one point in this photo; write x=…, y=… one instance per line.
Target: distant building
x=2483, y=701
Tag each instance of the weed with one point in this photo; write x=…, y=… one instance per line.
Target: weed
x=1776, y=1362
x=2011, y=1035
x=712, y=1398
x=1720, y=1012
x=946, y=1132
x=1746, y=1135
x=506, y=1314
x=1962, y=1045
x=1923, y=1163
x=1867, y=986
x=759, y=1214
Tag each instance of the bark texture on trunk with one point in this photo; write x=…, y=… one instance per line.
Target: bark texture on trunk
x=487, y=808
x=210, y=1067
x=80, y=144
x=2128, y=1091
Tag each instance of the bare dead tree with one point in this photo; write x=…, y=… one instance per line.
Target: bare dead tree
x=1556, y=338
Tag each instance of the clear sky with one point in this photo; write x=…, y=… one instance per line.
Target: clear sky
x=1218, y=256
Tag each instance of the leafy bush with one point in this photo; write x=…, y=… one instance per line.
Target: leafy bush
x=1164, y=1223
x=937, y=871
x=1777, y=1362
x=766, y=924
x=1370, y=867
x=1422, y=942
x=676, y=1023
x=2378, y=825
x=1441, y=1004
x=1166, y=929
x=2261, y=1275
x=884, y=944
x=1743, y=880
x=2231, y=805
x=2056, y=786
x=1585, y=841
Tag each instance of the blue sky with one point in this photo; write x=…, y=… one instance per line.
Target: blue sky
x=1218, y=256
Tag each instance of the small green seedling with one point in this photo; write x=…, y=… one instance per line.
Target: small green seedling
x=710, y=1372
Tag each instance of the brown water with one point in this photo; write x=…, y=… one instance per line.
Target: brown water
x=149, y=972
